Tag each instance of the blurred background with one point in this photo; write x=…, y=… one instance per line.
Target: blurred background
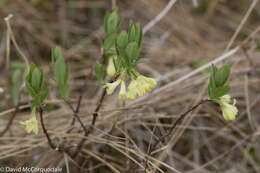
x=191, y=34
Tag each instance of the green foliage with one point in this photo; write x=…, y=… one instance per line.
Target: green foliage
x=34, y=84
x=100, y=73
x=16, y=79
x=135, y=33
x=112, y=23
x=218, y=79
x=125, y=45
x=61, y=72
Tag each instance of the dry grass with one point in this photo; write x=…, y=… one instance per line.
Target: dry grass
x=203, y=142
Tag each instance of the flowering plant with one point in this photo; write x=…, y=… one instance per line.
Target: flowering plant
x=123, y=52
x=218, y=89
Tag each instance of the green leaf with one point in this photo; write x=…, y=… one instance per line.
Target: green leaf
x=131, y=32
x=34, y=84
x=64, y=91
x=139, y=34
x=99, y=71
x=219, y=92
x=118, y=64
x=56, y=54
x=44, y=93
x=112, y=23
x=18, y=65
x=106, y=22
x=37, y=78
x=109, y=42
x=132, y=51
x=135, y=33
x=141, y=61
x=16, y=83
x=30, y=89
x=60, y=71
x=122, y=40
x=222, y=75
x=218, y=78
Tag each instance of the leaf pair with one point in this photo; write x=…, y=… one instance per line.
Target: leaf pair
x=218, y=79
x=61, y=72
x=112, y=28
x=34, y=84
x=128, y=47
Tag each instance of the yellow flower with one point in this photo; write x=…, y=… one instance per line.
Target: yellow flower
x=229, y=111
x=31, y=124
x=122, y=94
x=139, y=86
x=110, y=87
x=111, y=70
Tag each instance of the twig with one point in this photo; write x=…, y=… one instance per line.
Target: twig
x=8, y=40
x=243, y=21
x=159, y=16
x=14, y=41
x=249, y=60
x=95, y=115
x=10, y=121
x=52, y=145
x=181, y=117
x=75, y=114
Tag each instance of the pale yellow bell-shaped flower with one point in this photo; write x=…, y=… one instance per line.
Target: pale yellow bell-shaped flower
x=139, y=86
x=110, y=87
x=31, y=124
x=122, y=94
x=111, y=70
x=132, y=90
x=229, y=111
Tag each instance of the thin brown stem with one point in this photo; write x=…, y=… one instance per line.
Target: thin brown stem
x=94, y=118
x=52, y=145
x=181, y=117
x=10, y=122
x=75, y=114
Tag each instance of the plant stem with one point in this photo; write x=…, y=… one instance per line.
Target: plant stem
x=94, y=118
x=181, y=117
x=52, y=145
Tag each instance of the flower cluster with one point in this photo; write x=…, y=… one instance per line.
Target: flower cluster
x=32, y=123
x=137, y=87
x=229, y=111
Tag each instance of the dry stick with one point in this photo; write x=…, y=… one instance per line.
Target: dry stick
x=159, y=16
x=243, y=21
x=149, y=149
x=14, y=41
x=95, y=115
x=249, y=60
x=8, y=40
x=75, y=114
x=76, y=111
x=181, y=117
x=10, y=121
